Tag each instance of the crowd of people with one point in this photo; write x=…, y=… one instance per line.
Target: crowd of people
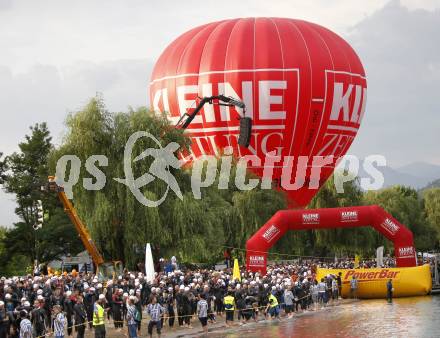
x=69, y=303
x=388, y=262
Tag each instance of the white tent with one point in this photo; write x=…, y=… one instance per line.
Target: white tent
x=149, y=265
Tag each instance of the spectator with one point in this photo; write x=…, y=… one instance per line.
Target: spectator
x=99, y=317
x=131, y=317
x=390, y=290
x=59, y=322
x=155, y=311
x=25, y=325
x=202, y=312
x=272, y=307
x=288, y=301
x=229, y=303
x=353, y=287
x=322, y=292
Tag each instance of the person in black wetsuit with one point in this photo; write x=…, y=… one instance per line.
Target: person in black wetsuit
x=80, y=313
x=89, y=302
x=169, y=306
x=68, y=310
x=117, y=308
x=4, y=321
x=187, y=307
x=390, y=290
x=180, y=304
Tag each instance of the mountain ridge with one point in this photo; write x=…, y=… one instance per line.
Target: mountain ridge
x=418, y=175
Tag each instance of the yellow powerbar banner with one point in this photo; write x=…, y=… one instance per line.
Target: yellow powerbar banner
x=415, y=281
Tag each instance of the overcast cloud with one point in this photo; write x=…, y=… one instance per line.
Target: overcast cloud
x=55, y=55
x=401, y=54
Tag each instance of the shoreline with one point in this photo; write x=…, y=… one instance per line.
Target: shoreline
x=217, y=329
x=220, y=328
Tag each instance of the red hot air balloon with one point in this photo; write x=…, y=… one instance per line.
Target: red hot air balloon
x=304, y=88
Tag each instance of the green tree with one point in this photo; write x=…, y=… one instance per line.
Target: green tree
x=340, y=241
x=14, y=265
x=3, y=168
x=27, y=168
x=195, y=230
x=404, y=204
x=432, y=208
x=3, y=232
x=119, y=224
x=27, y=171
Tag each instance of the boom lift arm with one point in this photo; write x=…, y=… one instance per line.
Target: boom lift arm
x=103, y=269
x=245, y=122
x=69, y=209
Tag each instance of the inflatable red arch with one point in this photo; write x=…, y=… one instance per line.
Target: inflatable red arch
x=260, y=243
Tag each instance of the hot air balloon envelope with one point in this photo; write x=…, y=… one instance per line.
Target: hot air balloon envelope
x=303, y=86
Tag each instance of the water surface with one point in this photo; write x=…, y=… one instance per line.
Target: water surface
x=405, y=317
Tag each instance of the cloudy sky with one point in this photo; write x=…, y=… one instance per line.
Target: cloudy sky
x=55, y=55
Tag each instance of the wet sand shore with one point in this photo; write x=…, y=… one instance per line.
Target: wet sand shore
x=217, y=329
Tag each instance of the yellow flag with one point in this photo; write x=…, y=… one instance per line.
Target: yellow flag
x=356, y=261
x=236, y=274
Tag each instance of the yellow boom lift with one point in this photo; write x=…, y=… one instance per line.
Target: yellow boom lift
x=104, y=270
